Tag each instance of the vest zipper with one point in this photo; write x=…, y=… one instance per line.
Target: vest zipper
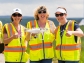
x=20, y=41
x=22, y=51
x=61, y=35
x=60, y=49
x=21, y=46
x=43, y=45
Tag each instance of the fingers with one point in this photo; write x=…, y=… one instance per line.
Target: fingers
x=15, y=36
x=68, y=33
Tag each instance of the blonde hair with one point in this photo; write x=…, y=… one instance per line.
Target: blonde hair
x=36, y=12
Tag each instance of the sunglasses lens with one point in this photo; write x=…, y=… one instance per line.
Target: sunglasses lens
x=57, y=15
x=61, y=14
x=14, y=15
x=19, y=15
x=43, y=11
x=39, y=12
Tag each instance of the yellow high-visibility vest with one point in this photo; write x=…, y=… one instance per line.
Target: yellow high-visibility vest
x=66, y=47
x=41, y=49
x=15, y=51
x=1, y=25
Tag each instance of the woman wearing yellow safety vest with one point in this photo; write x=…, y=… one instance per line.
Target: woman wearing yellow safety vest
x=14, y=38
x=1, y=37
x=67, y=34
x=1, y=31
x=40, y=45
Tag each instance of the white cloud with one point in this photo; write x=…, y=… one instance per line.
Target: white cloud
x=74, y=7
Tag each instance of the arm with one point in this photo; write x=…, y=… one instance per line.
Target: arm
x=77, y=31
x=7, y=39
x=52, y=26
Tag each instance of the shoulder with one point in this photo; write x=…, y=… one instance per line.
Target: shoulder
x=50, y=21
x=31, y=21
x=52, y=25
x=22, y=26
x=5, y=25
x=1, y=23
x=76, y=26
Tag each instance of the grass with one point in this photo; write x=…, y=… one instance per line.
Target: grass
x=82, y=47
x=82, y=51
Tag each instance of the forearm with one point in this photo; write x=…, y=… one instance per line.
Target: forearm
x=77, y=33
x=7, y=40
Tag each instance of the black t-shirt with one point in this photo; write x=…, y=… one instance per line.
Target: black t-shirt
x=62, y=28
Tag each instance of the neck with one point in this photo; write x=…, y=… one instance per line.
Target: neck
x=15, y=24
x=64, y=22
x=41, y=23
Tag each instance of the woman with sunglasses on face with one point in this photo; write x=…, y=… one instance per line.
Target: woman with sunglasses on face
x=14, y=39
x=67, y=35
x=41, y=47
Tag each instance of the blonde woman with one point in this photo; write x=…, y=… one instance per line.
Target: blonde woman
x=41, y=47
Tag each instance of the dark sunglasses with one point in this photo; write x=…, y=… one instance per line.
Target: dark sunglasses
x=41, y=11
x=57, y=15
x=19, y=15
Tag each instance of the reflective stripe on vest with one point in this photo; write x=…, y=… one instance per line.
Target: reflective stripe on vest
x=69, y=47
x=9, y=25
x=15, y=49
x=32, y=24
x=70, y=27
x=40, y=46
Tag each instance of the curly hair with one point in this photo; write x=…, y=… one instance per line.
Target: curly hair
x=36, y=12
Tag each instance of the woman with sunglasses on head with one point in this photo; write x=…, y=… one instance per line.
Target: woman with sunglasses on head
x=14, y=38
x=67, y=36
x=41, y=47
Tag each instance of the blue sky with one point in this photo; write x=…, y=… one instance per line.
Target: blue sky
x=75, y=8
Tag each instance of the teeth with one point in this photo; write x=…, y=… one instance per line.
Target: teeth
x=42, y=16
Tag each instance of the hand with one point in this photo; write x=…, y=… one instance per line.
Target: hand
x=68, y=33
x=15, y=36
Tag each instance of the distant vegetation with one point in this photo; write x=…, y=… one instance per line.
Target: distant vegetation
x=25, y=19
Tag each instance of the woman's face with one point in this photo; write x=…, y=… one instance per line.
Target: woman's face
x=42, y=14
x=16, y=17
x=61, y=17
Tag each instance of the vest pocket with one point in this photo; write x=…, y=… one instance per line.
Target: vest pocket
x=12, y=56
x=25, y=57
x=35, y=55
